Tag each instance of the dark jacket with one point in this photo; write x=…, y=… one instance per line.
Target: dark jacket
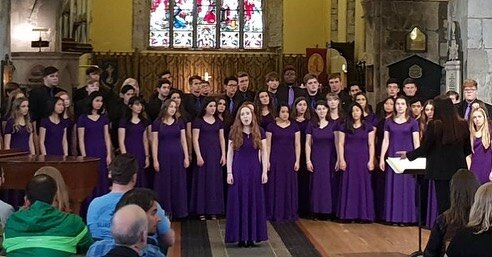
x=441, y=235
x=154, y=107
x=40, y=100
x=443, y=160
x=461, y=108
x=283, y=93
x=242, y=97
x=466, y=244
x=190, y=105
x=122, y=251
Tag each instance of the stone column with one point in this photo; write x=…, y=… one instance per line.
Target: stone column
x=453, y=76
x=4, y=28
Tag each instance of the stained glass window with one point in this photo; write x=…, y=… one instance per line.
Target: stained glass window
x=202, y=24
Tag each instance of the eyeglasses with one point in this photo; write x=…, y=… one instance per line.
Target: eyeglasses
x=469, y=90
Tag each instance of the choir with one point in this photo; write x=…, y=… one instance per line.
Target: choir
x=284, y=151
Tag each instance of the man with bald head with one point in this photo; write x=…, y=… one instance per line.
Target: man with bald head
x=129, y=229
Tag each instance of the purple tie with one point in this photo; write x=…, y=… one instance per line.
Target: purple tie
x=291, y=96
x=467, y=111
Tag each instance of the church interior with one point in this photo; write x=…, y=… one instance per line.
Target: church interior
x=438, y=43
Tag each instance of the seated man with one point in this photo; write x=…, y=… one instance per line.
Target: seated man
x=147, y=200
x=41, y=229
x=129, y=229
x=123, y=172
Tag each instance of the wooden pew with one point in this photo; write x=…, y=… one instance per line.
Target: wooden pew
x=80, y=173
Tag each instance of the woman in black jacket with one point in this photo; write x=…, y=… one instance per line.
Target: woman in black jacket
x=463, y=186
x=475, y=240
x=446, y=144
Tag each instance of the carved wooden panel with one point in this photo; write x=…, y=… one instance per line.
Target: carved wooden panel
x=146, y=66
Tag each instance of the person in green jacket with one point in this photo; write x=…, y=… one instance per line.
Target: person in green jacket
x=41, y=229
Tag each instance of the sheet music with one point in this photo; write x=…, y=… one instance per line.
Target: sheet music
x=400, y=165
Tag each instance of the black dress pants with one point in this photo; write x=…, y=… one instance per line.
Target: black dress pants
x=442, y=195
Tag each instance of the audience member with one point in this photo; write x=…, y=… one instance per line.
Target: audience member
x=147, y=200
x=129, y=229
x=463, y=186
x=41, y=229
x=62, y=200
x=123, y=172
x=475, y=240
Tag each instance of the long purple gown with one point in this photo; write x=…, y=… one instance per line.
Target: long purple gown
x=207, y=194
x=18, y=139
x=481, y=161
x=134, y=144
x=322, y=150
x=432, y=210
x=95, y=146
x=303, y=176
x=53, y=141
x=400, y=206
x=170, y=181
x=246, y=218
x=356, y=194
x=281, y=189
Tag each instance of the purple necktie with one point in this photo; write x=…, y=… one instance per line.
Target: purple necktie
x=467, y=111
x=291, y=96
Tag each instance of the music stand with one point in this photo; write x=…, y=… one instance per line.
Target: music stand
x=417, y=172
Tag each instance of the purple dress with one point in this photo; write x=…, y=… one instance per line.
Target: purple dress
x=265, y=120
x=303, y=176
x=371, y=119
x=246, y=218
x=356, y=195
x=18, y=139
x=432, y=210
x=95, y=146
x=281, y=189
x=207, y=194
x=322, y=150
x=400, y=188
x=481, y=161
x=53, y=141
x=170, y=181
x=134, y=134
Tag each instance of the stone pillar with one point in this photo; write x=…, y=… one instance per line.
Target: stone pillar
x=4, y=28
x=478, y=46
x=453, y=76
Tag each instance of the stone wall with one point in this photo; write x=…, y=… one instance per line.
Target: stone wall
x=4, y=28
x=476, y=18
x=350, y=20
x=334, y=20
x=27, y=15
x=388, y=23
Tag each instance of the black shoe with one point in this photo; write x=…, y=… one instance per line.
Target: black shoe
x=250, y=244
x=241, y=244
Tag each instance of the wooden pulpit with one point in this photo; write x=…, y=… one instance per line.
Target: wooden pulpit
x=80, y=173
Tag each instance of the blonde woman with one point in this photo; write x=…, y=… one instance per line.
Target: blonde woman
x=480, y=161
x=61, y=199
x=475, y=239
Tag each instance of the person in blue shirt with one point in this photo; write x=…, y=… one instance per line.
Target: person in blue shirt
x=147, y=200
x=123, y=172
